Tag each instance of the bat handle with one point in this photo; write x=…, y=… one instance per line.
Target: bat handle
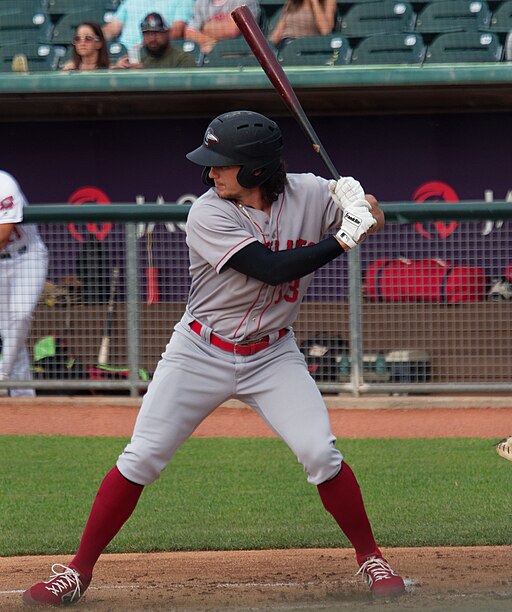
x=328, y=162
x=104, y=350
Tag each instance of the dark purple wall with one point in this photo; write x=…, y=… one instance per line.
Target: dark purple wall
x=392, y=157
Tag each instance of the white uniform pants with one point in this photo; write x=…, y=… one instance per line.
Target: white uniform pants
x=22, y=279
x=194, y=377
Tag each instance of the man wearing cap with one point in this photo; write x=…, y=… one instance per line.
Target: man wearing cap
x=212, y=21
x=157, y=51
x=125, y=23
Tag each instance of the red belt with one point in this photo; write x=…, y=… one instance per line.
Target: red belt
x=232, y=347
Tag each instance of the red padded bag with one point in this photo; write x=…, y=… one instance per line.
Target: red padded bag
x=423, y=280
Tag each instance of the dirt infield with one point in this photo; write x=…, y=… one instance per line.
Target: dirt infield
x=438, y=579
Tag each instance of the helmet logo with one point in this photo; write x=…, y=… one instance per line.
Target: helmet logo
x=210, y=137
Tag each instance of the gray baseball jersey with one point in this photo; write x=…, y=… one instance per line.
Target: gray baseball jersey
x=236, y=306
x=194, y=377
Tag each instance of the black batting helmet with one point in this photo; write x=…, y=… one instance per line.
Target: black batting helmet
x=241, y=138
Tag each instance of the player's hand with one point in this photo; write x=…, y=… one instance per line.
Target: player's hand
x=357, y=221
x=346, y=191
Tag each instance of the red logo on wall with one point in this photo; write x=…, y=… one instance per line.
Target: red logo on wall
x=90, y=195
x=435, y=191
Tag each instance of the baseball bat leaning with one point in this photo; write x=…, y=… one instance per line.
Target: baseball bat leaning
x=104, y=351
x=267, y=59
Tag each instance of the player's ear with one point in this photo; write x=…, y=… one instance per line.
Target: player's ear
x=206, y=177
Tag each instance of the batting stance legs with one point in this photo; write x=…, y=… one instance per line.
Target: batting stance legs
x=191, y=380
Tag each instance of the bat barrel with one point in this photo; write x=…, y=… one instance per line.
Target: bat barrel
x=267, y=59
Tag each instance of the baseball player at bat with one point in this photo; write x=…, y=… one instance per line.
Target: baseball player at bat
x=255, y=239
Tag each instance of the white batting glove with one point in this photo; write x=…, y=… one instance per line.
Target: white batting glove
x=346, y=191
x=357, y=220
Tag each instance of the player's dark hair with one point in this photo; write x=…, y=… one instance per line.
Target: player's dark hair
x=103, y=56
x=274, y=186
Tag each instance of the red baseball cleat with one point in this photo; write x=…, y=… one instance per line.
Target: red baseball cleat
x=381, y=579
x=64, y=587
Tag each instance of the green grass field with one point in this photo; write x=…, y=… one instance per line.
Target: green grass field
x=252, y=494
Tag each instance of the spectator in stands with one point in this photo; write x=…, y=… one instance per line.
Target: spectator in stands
x=125, y=23
x=157, y=51
x=212, y=21
x=303, y=18
x=89, y=48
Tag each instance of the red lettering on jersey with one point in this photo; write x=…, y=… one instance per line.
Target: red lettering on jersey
x=7, y=203
x=292, y=295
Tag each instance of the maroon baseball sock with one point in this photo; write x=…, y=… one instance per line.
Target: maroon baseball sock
x=115, y=501
x=341, y=496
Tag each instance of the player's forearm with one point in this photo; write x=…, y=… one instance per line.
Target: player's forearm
x=112, y=29
x=220, y=27
x=274, y=268
x=5, y=232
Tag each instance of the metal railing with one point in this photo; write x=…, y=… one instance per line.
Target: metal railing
x=404, y=344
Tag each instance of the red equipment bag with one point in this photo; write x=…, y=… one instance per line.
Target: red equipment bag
x=423, y=280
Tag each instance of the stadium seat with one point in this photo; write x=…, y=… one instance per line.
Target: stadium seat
x=330, y=50
x=501, y=20
x=462, y=47
x=453, y=16
x=388, y=16
x=116, y=50
x=390, y=49
x=229, y=53
x=39, y=56
x=64, y=7
x=23, y=21
x=64, y=29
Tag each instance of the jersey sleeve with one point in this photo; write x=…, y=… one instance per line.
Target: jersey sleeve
x=215, y=233
x=11, y=200
x=332, y=215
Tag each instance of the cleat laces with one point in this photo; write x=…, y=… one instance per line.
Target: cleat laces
x=375, y=569
x=64, y=580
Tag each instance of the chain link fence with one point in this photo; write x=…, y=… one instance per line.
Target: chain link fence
x=423, y=306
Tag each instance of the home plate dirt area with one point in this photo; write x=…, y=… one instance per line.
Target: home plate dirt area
x=437, y=579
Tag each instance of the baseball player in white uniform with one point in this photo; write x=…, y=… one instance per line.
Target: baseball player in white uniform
x=23, y=269
x=255, y=239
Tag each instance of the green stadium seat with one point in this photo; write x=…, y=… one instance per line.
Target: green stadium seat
x=501, y=20
x=64, y=7
x=390, y=49
x=116, y=50
x=230, y=53
x=65, y=28
x=367, y=18
x=330, y=50
x=464, y=47
x=453, y=16
x=23, y=21
x=39, y=56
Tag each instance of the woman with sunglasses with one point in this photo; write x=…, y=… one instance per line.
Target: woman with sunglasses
x=89, y=48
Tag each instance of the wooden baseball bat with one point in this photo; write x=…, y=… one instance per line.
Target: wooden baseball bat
x=104, y=351
x=256, y=40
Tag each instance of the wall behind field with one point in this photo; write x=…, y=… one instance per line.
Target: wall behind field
x=392, y=156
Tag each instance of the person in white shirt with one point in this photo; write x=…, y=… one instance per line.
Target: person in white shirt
x=23, y=269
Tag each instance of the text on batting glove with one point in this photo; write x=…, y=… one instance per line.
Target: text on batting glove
x=346, y=191
x=357, y=220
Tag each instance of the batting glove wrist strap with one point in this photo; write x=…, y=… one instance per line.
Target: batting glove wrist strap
x=357, y=220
